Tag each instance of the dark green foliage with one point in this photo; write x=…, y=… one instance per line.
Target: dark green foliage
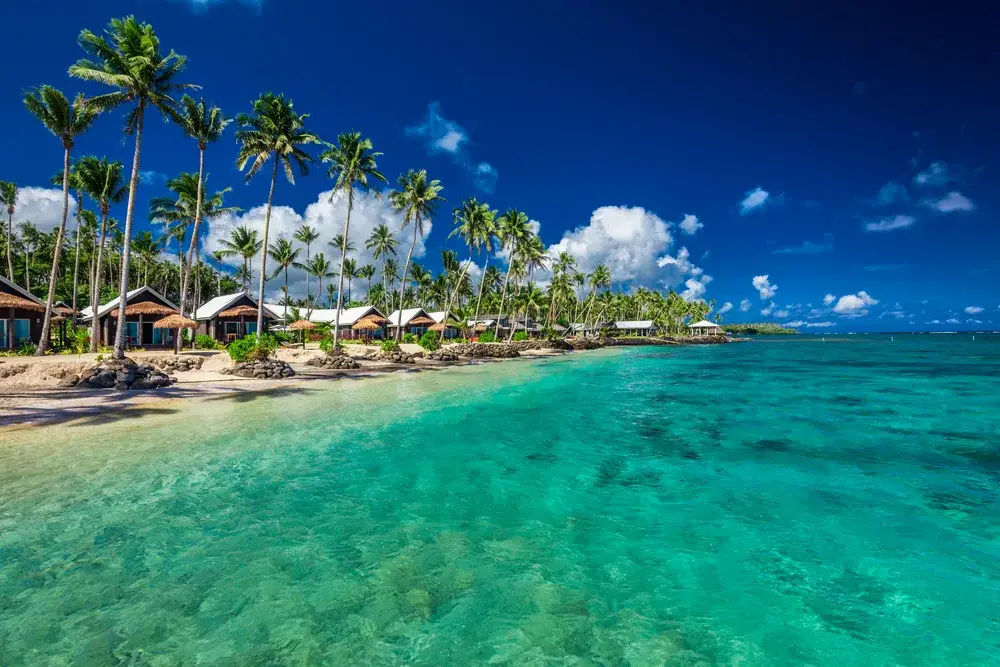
x=430, y=341
x=409, y=338
x=519, y=336
x=757, y=328
x=389, y=345
x=203, y=342
x=252, y=348
x=487, y=337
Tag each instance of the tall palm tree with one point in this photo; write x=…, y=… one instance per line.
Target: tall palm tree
x=417, y=199
x=512, y=230
x=349, y=269
x=284, y=255
x=475, y=222
x=104, y=183
x=245, y=243
x=352, y=166
x=308, y=235
x=599, y=279
x=8, y=197
x=383, y=243
x=204, y=125
x=367, y=272
x=273, y=131
x=65, y=121
x=76, y=185
x=145, y=248
x=31, y=238
x=319, y=268
x=128, y=58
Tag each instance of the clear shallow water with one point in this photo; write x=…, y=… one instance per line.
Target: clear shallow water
x=781, y=502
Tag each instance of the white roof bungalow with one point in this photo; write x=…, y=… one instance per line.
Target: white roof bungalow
x=705, y=328
x=348, y=317
x=104, y=309
x=636, y=327
x=411, y=317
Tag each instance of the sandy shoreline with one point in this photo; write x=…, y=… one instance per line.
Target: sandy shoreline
x=26, y=405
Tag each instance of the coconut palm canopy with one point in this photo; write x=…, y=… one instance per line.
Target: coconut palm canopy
x=241, y=311
x=175, y=322
x=11, y=301
x=302, y=324
x=145, y=308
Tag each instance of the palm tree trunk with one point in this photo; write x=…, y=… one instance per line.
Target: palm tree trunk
x=343, y=257
x=503, y=294
x=308, y=293
x=76, y=262
x=284, y=316
x=263, y=252
x=133, y=184
x=451, y=298
x=10, y=242
x=479, y=299
x=43, y=343
x=95, y=288
x=402, y=288
x=186, y=273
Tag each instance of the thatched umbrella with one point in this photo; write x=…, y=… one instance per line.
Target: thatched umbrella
x=11, y=301
x=377, y=319
x=175, y=321
x=302, y=325
x=366, y=324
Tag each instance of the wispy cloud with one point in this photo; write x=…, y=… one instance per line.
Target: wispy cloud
x=885, y=267
x=891, y=193
x=808, y=247
x=441, y=135
x=938, y=173
x=952, y=202
x=974, y=310
x=889, y=224
x=200, y=6
x=152, y=177
x=754, y=200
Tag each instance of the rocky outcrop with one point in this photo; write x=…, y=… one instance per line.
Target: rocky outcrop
x=541, y=344
x=441, y=355
x=179, y=363
x=266, y=369
x=585, y=343
x=398, y=357
x=486, y=350
x=121, y=374
x=637, y=340
x=334, y=362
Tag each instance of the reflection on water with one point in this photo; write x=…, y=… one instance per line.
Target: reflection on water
x=753, y=504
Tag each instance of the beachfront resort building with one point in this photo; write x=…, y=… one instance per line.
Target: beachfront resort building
x=445, y=325
x=413, y=320
x=144, y=307
x=705, y=328
x=361, y=322
x=635, y=328
x=230, y=317
x=21, y=314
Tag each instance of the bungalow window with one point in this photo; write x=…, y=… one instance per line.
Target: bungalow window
x=251, y=327
x=22, y=332
x=163, y=336
x=232, y=329
x=132, y=333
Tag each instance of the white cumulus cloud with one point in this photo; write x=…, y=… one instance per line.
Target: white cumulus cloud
x=726, y=307
x=764, y=287
x=854, y=305
x=952, y=202
x=828, y=299
x=689, y=225
x=745, y=305
x=767, y=310
x=42, y=207
x=973, y=310
x=696, y=287
x=889, y=224
x=753, y=200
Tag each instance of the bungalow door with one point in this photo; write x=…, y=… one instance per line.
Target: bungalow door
x=132, y=334
x=147, y=333
x=22, y=332
x=4, y=341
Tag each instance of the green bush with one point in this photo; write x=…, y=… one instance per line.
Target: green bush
x=326, y=345
x=389, y=345
x=27, y=349
x=252, y=348
x=409, y=338
x=203, y=342
x=78, y=341
x=519, y=336
x=430, y=341
x=487, y=337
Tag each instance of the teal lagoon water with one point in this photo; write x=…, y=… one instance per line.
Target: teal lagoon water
x=780, y=502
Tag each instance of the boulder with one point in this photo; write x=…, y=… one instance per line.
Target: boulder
x=262, y=369
x=334, y=362
x=122, y=375
x=485, y=350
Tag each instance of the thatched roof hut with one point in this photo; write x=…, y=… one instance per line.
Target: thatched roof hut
x=366, y=325
x=145, y=308
x=420, y=321
x=239, y=311
x=12, y=301
x=175, y=321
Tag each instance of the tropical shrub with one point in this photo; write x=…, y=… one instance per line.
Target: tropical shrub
x=519, y=336
x=27, y=349
x=430, y=341
x=487, y=337
x=409, y=338
x=78, y=341
x=252, y=348
x=327, y=344
x=389, y=345
x=203, y=342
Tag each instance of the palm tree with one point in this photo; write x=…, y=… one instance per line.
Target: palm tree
x=205, y=126
x=476, y=224
x=128, y=58
x=272, y=131
x=352, y=166
x=8, y=197
x=383, y=243
x=104, y=183
x=284, y=255
x=76, y=185
x=65, y=121
x=331, y=289
x=145, y=247
x=512, y=229
x=367, y=272
x=417, y=200
x=244, y=242
x=308, y=235
x=390, y=273
x=319, y=268
x=599, y=279
x=30, y=239
x=349, y=269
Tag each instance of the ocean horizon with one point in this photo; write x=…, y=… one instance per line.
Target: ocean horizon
x=786, y=501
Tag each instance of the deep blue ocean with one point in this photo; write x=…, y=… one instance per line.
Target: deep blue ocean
x=786, y=501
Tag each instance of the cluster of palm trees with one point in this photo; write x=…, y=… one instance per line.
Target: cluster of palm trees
x=128, y=60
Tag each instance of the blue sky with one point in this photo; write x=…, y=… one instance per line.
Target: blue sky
x=837, y=163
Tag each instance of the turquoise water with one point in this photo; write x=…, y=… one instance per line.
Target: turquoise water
x=780, y=502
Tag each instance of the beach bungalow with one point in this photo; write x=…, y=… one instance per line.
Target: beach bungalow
x=706, y=328
x=145, y=306
x=449, y=331
x=350, y=319
x=230, y=317
x=635, y=328
x=21, y=314
x=413, y=320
